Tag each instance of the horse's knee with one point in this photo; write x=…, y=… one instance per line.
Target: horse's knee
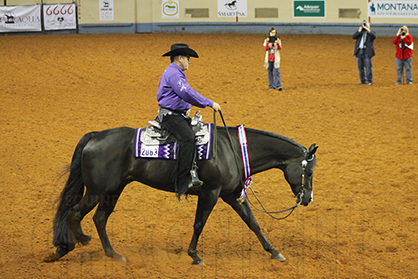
x=254, y=225
x=99, y=219
x=198, y=227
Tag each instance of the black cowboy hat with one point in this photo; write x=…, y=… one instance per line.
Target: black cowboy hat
x=181, y=49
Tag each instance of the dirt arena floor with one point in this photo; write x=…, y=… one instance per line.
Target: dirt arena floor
x=363, y=222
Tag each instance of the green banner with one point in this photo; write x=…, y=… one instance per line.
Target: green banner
x=308, y=8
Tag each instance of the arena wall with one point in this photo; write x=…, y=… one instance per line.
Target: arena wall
x=146, y=16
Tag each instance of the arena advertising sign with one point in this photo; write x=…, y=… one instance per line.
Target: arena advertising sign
x=308, y=8
x=232, y=8
x=170, y=8
x=399, y=9
x=106, y=9
x=59, y=17
x=20, y=18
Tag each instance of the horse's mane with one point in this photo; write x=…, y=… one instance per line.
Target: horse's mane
x=270, y=134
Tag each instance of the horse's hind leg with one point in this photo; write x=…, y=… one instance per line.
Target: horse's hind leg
x=248, y=217
x=87, y=203
x=105, y=208
x=75, y=215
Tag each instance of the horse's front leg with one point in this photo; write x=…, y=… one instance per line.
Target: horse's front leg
x=206, y=202
x=248, y=217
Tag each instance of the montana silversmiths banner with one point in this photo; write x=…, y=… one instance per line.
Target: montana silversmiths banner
x=59, y=17
x=170, y=8
x=232, y=8
x=20, y=18
x=399, y=9
x=308, y=8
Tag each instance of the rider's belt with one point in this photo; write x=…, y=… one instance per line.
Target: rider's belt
x=172, y=112
x=164, y=111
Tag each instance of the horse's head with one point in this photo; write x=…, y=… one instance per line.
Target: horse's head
x=299, y=174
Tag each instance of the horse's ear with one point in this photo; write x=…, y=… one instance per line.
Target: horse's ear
x=312, y=149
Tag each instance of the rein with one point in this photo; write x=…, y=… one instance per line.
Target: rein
x=270, y=213
x=299, y=197
x=263, y=210
x=229, y=137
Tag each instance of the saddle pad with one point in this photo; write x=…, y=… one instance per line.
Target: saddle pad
x=145, y=147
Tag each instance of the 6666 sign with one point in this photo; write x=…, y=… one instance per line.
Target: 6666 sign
x=59, y=16
x=60, y=10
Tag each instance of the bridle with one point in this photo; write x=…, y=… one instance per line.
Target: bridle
x=301, y=193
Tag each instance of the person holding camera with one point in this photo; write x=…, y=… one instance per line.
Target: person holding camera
x=272, y=45
x=364, y=51
x=403, y=57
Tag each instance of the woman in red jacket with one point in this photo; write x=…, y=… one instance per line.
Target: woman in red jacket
x=404, y=46
x=272, y=46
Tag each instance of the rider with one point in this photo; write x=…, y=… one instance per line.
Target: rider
x=175, y=98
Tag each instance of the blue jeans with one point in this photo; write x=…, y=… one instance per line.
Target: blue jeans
x=400, y=64
x=274, y=76
x=364, y=62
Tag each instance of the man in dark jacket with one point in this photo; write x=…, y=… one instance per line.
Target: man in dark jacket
x=364, y=51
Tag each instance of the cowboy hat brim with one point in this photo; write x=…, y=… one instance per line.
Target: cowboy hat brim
x=182, y=51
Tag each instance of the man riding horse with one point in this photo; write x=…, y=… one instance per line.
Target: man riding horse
x=175, y=98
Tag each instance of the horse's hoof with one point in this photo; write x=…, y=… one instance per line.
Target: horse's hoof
x=279, y=257
x=117, y=258
x=198, y=262
x=120, y=259
x=61, y=251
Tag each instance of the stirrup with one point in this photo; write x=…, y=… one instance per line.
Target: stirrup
x=196, y=182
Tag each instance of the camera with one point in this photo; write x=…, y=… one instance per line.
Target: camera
x=364, y=23
x=403, y=33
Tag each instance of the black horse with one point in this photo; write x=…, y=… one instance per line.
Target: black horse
x=104, y=163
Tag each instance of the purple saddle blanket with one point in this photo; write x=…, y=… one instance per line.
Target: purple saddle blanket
x=150, y=143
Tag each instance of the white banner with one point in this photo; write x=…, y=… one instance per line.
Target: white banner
x=170, y=8
x=398, y=9
x=59, y=17
x=20, y=18
x=232, y=8
x=106, y=9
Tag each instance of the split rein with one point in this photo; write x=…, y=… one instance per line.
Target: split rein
x=263, y=210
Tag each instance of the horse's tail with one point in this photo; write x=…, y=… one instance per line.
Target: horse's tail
x=70, y=196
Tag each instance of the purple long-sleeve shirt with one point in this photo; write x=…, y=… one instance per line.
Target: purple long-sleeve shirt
x=176, y=94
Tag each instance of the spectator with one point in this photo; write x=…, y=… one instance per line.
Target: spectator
x=403, y=57
x=272, y=45
x=364, y=51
